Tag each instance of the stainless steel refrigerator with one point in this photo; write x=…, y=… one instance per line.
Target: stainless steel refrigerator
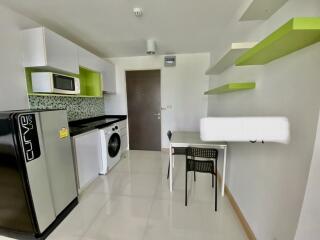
x=37, y=173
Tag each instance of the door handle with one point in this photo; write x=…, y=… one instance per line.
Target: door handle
x=158, y=115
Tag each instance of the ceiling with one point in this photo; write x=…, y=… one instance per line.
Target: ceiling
x=110, y=29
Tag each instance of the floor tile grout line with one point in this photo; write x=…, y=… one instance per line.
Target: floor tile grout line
x=94, y=218
x=151, y=198
x=150, y=211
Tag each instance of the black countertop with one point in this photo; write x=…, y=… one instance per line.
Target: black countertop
x=84, y=125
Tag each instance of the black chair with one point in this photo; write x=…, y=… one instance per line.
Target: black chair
x=176, y=151
x=202, y=160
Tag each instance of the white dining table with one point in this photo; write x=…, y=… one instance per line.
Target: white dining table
x=188, y=139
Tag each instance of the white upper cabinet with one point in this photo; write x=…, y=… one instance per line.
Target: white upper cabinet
x=107, y=69
x=48, y=50
x=89, y=60
x=108, y=73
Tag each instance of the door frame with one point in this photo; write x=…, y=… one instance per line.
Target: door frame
x=125, y=82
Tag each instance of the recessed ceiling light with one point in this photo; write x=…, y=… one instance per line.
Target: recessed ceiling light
x=137, y=11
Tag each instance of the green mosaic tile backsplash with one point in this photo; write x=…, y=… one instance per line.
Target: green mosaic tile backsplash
x=77, y=107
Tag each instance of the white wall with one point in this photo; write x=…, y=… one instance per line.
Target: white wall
x=268, y=181
x=309, y=223
x=13, y=89
x=182, y=89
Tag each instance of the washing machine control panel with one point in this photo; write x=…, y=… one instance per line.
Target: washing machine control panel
x=115, y=128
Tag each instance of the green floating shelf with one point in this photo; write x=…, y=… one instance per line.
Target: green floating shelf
x=236, y=50
x=231, y=87
x=262, y=9
x=292, y=36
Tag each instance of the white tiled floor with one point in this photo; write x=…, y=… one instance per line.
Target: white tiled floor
x=133, y=202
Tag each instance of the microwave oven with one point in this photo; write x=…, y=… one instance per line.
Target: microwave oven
x=48, y=82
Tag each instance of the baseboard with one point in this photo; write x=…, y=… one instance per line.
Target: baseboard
x=235, y=206
x=166, y=150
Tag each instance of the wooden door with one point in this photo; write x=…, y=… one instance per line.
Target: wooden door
x=144, y=108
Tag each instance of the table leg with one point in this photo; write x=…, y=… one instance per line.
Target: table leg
x=224, y=170
x=172, y=160
x=170, y=172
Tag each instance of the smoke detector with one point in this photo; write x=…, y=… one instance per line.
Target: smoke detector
x=137, y=11
x=151, y=47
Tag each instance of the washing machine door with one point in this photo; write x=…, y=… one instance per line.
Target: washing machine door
x=114, y=145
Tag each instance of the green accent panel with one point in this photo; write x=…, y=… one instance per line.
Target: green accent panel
x=28, y=79
x=61, y=95
x=90, y=83
x=231, y=87
x=292, y=36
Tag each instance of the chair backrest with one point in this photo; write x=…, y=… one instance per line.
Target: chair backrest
x=169, y=134
x=205, y=166
x=209, y=153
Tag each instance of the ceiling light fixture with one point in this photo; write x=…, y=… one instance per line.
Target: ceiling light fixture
x=151, y=47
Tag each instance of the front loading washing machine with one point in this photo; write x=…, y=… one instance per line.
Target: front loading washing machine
x=111, y=148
